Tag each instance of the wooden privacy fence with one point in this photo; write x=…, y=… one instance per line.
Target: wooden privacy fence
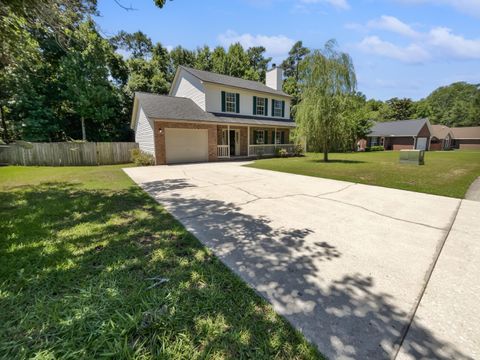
x=68, y=154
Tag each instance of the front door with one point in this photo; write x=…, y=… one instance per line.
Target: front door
x=234, y=142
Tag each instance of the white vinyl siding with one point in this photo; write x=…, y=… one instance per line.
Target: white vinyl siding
x=144, y=133
x=189, y=86
x=213, y=101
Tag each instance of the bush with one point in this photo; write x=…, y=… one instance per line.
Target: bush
x=281, y=152
x=375, y=148
x=141, y=158
x=298, y=150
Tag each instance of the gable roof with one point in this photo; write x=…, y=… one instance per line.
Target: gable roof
x=471, y=132
x=399, y=128
x=226, y=80
x=441, y=131
x=170, y=107
x=184, y=109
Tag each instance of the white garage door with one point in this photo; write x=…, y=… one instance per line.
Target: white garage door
x=186, y=145
x=422, y=143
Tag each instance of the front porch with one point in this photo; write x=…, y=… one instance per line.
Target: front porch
x=235, y=141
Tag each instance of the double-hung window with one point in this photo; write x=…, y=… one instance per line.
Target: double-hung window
x=259, y=137
x=261, y=106
x=277, y=108
x=230, y=102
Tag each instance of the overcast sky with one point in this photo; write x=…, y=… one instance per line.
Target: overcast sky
x=403, y=48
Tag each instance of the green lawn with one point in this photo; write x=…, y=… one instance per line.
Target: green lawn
x=444, y=173
x=78, y=250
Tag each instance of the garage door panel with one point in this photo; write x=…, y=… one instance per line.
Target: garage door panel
x=186, y=145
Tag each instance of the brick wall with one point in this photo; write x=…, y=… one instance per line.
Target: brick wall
x=470, y=144
x=401, y=143
x=160, y=158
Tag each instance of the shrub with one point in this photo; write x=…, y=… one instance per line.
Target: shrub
x=298, y=150
x=141, y=158
x=375, y=148
x=281, y=152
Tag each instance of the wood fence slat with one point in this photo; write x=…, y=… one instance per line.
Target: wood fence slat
x=68, y=154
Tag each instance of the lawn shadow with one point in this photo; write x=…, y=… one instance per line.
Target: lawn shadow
x=77, y=270
x=338, y=161
x=80, y=269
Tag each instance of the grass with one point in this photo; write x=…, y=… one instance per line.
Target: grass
x=444, y=173
x=78, y=250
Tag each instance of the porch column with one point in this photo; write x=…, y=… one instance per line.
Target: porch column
x=248, y=140
x=228, y=139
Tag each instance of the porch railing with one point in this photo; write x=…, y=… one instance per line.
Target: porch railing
x=223, y=151
x=269, y=149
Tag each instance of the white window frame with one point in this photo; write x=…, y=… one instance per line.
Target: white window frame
x=230, y=102
x=261, y=106
x=224, y=137
x=259, y=140
x=277, y=108
x=278, y=137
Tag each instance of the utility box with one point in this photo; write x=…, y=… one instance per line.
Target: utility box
x=416, y=157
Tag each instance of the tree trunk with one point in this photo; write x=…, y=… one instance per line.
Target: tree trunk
x=325, y=152
x=84, y=133
x=4, y=124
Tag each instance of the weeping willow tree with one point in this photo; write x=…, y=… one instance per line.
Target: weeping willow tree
x=327, y=86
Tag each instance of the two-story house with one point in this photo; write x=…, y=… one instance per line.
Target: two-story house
x=208, y=116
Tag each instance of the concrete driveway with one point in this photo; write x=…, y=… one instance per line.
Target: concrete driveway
x=356, y=268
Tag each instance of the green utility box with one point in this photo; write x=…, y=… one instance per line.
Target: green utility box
x=416, y=157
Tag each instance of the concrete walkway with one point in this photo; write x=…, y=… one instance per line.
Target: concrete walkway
x=473, y=192
x=362, y=271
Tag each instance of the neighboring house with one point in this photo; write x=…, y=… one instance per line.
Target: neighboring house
x=208, y=116
x=442, y=138
x=466, y=137
x=403, y=134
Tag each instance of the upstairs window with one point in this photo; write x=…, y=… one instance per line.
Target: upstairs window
x=260, y=106
x=230, y=102
x=278, y=108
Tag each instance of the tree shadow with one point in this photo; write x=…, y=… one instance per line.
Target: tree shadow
x=346, y=318
x=79, y=270
x=337, y=161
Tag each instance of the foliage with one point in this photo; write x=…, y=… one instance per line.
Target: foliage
x=291, y=70
x=383, y=169
x=298, y=150
x=327, y=85
x=281, y=152
x=141, y=158
x=455, y=105
x=80, y=246
x=375, y=148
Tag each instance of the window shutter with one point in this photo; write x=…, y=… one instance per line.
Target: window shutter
x=254, y=105
x=283, y=108
x=273, y=107
x=223, y=101
x=237, y=103
x=265, y=136
x=282, y=137
x=266, y=107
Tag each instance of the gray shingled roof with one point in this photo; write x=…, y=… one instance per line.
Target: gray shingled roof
x=232, y=81
x=398, y=128
x=180, y=108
